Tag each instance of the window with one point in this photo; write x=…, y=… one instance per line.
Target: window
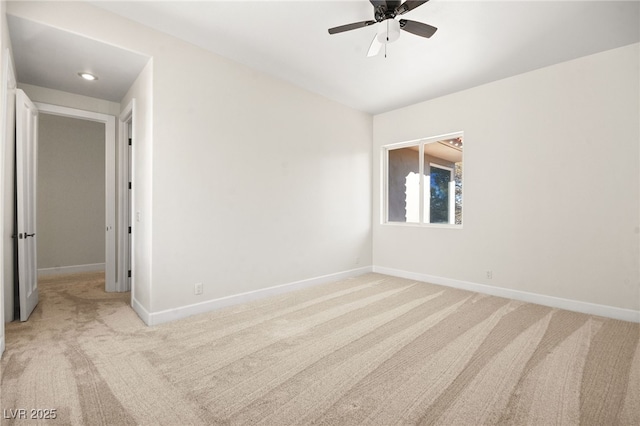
x=434, y=164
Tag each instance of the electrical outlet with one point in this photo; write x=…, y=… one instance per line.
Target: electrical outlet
x=489, y=275
x=197, y=289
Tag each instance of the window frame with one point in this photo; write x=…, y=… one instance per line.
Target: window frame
x=420, y=143
x=451, y=187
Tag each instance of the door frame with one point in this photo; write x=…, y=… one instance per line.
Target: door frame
x=126, y=128
x=7, y=133
x=111, y=264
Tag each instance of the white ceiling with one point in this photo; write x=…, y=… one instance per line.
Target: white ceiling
x=48, y=57
x=477, y=42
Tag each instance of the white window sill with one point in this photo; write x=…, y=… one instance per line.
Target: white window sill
x=422, y=225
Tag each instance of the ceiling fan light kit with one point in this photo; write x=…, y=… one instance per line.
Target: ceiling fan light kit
x=388, y=30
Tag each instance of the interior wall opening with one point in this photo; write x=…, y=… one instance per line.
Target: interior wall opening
x=71, y=195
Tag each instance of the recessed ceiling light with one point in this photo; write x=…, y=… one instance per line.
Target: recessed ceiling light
x=87, y=76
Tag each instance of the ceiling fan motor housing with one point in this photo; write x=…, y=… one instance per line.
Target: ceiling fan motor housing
x=382, y=12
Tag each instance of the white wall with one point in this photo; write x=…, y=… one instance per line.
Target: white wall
x=7, y=167
x=256, y=182
x=247, y=182
x=551, y=183
x=6, y=258
x=71, y=192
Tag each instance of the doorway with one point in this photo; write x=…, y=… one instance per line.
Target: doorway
x=107, y=122
x=109, y=227
x=71, y=195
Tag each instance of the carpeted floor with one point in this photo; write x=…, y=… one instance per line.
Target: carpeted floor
x=367, y=350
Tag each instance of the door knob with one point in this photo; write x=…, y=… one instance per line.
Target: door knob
x=29, y=235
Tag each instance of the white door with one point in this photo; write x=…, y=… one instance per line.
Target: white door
x=26, y=174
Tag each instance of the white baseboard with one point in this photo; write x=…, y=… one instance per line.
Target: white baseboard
x=155, y=318
x=141, y=311
x=74, y=269
x=539, y=299
x=2, y=345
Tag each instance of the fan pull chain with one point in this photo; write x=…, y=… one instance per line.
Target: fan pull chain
x=387, y=31
x=385, y=45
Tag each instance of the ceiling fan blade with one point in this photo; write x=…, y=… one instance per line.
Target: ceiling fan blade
x=350, y=27
x=374, y=49
x=409, y=5
x=393, y=4
x=417, y=28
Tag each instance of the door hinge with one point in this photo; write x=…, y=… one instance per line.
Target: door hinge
x=129, y=141
x=129, y=229
x=129, y=185
x=129, y=274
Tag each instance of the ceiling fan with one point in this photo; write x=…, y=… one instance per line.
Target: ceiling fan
x=384, y=13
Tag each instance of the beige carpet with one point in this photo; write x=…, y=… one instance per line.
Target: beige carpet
x=368, y=350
